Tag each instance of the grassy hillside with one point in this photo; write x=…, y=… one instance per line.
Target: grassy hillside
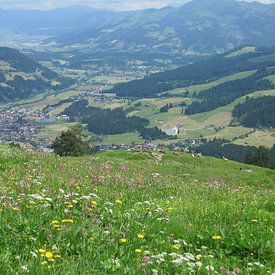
x=134, y=213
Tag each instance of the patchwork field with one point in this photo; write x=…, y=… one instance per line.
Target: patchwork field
x=201, y=87
x=127, y=138
x=207, y=124
x=231, y=133
x=257, y=138
x=52, y=130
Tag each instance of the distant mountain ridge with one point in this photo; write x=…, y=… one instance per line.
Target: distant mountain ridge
x=198, y=27
x=21, y=77
x=57, y=21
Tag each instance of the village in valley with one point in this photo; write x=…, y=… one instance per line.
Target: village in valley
x=23, y=125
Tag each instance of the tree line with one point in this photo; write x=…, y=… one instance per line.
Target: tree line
x=105, y=121
x=256, y=112
x=154, y=134
x=220, y=148
x=227, y=92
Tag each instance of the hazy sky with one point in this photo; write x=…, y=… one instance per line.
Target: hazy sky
x=109, y=4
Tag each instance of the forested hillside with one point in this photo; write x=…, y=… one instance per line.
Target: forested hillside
x=104, y=121
x=226, y=93
x=257, y=112
x=198, y=73
x=21, y=77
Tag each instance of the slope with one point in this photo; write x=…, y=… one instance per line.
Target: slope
x=21, y=77
x=127, y=212
x=201, y=72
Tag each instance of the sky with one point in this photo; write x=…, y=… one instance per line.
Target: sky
x=106, y=4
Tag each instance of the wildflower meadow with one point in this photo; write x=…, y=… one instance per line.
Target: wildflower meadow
x=134, y=213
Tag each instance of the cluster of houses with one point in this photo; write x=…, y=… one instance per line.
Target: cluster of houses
x=18, y=125
x=133, y=147
x=14, y=127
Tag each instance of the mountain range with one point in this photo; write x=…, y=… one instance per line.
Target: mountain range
x=57, y=21
x=197, y=27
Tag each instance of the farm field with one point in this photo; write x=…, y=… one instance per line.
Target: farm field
x=52, y=130
x=52, y=99
x=127, y=138
x=111, y=80
x=134, y=213
x=201, y=87
x=257, y=138
x=242, y=51
x=231, y=133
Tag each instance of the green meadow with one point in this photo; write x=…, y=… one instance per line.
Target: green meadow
x=134, y=213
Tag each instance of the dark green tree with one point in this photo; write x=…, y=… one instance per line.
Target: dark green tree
x=249, y=157
x=70, y=143
x=263, y=157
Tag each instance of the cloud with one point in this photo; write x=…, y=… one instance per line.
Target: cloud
x=107, y=4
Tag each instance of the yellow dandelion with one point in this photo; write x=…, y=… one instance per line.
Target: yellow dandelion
x=138, y=250
x=57, y=226
x=49, y=254
x=41, y=251
x=67, y=221
x=216, y=238
x=123, y=240
x=118, y=202
x=198, y=258
x=51, y=260
x=94, y=203
x=140, y=236
x=176, y=246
